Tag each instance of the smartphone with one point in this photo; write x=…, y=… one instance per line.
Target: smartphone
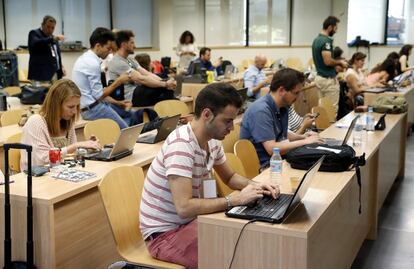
x=315, y=115
x=38, y=171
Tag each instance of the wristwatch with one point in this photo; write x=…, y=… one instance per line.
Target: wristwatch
x=228, y=201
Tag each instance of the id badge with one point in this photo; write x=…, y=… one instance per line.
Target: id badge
x=209, y=189
x=53, y=52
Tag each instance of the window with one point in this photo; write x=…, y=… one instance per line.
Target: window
x=400, y=22
x=225, y=22
x=135, y=15
x=369, y=25
x=81, y=17
x=25, y=15
x=269, y=22
x=187, y=14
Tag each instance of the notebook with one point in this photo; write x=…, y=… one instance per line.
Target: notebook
x=165, y=128
x=337, y=142
x=276, y=210
x=123, y=146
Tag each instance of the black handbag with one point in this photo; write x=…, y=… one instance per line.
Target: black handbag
x=33, y=95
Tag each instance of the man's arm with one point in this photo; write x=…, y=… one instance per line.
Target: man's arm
x=329, y=61
x=189, y=207
x=287, y=145
x=149, y=81
x=145, y=72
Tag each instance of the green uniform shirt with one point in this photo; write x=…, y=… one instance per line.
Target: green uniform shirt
x=322, y=43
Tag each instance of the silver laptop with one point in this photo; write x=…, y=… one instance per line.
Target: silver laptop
x=228, y=71
x=337, y=142
x=276, y=210
x=123, y=146
x=165, y=128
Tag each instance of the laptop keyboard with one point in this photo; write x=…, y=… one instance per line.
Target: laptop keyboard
x=104, y=153
x=267, y=206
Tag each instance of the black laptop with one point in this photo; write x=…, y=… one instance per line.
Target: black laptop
x=123, y=146
x=276, y=210
x=165, y=128
x=337, y=142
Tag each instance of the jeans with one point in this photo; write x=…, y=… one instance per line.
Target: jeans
x=108, y=111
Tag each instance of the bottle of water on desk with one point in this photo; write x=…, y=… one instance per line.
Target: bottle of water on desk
x=370, y=119
x=276, y=167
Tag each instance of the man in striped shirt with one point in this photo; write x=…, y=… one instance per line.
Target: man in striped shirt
x=178, y=185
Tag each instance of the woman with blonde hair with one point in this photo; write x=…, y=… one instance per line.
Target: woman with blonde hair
x=54, y=126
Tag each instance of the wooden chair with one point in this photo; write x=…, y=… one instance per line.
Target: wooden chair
x=12, y=90
x=231, y=138
x=244, y=149
x=11, y=117
x=329, y=107
x=171, y=108
x=23, y=76
x=295, y=63
x=120, y=191
x=106, y=130
x=234, y=162
x=14, y=154
x=322, y=121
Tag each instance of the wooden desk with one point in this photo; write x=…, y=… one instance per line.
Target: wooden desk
x=70, y=225
x=407, y=92
x=325, y=231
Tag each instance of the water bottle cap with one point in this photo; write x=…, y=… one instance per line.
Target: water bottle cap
x=276, y=150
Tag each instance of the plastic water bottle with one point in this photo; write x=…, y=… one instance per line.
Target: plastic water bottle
x=276, y=167
x=370, y=119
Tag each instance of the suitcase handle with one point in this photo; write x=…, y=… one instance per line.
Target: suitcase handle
x=8, y=146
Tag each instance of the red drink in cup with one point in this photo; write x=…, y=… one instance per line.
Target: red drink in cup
x=54, y=157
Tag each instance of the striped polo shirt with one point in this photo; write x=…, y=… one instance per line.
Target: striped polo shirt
x=180, y=155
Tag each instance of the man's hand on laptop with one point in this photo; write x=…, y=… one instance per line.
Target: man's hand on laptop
x=314, y=139
x=253, y=192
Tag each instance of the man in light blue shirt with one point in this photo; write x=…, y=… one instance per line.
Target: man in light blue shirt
x=255, y=79
x=87, y=76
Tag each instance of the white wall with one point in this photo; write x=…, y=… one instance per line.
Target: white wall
x=165, y=42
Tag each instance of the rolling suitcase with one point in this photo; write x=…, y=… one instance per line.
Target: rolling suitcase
x=8, y=263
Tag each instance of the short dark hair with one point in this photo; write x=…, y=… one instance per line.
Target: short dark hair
x=184, y=35
x=287, y=78
x=123, y=36
x=216, y=97
x=203, y=50
x=101, y=36
x=48, y=18
x=331, y=20
x=337, y=53
x=405, y=50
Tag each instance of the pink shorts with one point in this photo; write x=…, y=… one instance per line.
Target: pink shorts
x=178, y=246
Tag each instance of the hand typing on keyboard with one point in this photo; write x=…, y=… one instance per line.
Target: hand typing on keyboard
x=252, y=192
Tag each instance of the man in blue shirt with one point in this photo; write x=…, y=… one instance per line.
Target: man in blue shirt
x=87, y=76
x=265, y=123
x=255, y=79
x=203, y=61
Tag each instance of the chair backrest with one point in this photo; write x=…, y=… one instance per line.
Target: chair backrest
x=106, y=130
x=295, y=63
x=231, y=138
x=12, y=90
x=120, y=191
x=307, y=99
x=14, y=154
x=11, y=117
x=329, y=107
x=171, y=108
x=244, y=149
x=322, y=121
x=234, y=162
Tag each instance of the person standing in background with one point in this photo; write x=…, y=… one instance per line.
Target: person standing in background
x=322, y=52
x=186, y=50
x=45, y=62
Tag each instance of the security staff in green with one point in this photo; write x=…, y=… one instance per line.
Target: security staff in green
x=322, y=48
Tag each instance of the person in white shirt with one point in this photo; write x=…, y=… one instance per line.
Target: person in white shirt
x=186, y=49
x=255, y=79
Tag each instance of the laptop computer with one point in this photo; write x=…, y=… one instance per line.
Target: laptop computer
x=228, y=71
x=123, y=146
x=276, y=210
x=166, y=127
x=337, y=142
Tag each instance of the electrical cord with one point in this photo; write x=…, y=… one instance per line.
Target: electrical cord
x=238, y=238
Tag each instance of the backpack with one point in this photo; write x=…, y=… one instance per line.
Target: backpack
x=305, y=156
x=390, y=104
x=32, y=95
